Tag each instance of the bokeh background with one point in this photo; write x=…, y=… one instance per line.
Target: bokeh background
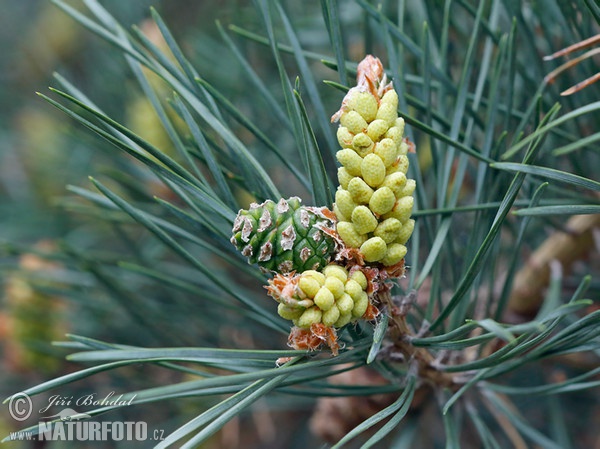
x=41, y=152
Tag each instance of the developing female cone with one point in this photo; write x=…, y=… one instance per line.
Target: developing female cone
x=285, y=236
x=374, y=201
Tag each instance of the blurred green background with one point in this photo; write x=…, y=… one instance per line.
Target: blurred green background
x=41, y=152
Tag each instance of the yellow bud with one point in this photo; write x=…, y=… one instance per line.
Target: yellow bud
x=343, y=320
x=402, y=209
x=400, y=124
x=336, y=271
x=338, y=213
x=360, y=305
x=376, y=129
x=353, y=289
x=349, y=235
x=362, y=144
x=363, y=219
x=403, y=163
x=353, y=121
x=334, y=285
x=344, y=177
x=403, y=148
x=310, y=316
x=373, y=170
x=360, y=277
x=405, y=232
x=344, y=202
x=345, y=304
x=382, y=201
x=331, y=316
x=396, y=182
x=395, y=134
x=409, y=188
x=394, y=254
x=364, y=103
x=319, y=277
x=387, y=150
x=391, y=98
x=388, y=113
x=344, y=137
x=288, y=313
x=373, y=249
x=350, y=160
x=359, y=190
x=324, y=298
x=388, y=230
x=309, y=285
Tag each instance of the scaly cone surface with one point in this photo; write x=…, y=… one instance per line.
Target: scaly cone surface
x=284, y=236
x=374, y=201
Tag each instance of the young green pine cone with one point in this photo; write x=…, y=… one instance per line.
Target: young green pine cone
x=331, y=297
x=374, y=201
x=284, y=236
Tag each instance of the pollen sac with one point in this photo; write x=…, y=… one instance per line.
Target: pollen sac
x=409, y=188
x=330, y=317
x=395, y=132
x=284, y=236
x=309, y=286
x=402, y=163
x=354, y=122
x=331, y=297
x=351, y=161
x=405, y=232
x=365, y=104
x=338, y=213
x=362, y=144
x=359, y=277
x=374, y=249
x=402, y=209
x=363, y=219
x=336, y=271
x=324, y=298
x=375, y=201
x=309, y=317
x=360, y=305
x=344, y=202
x=382, y=201
x=344, y=177
x=404, y=148
x=349, y=235
x=396, y=182
x=345, y=304
x=334, y=285
x=359, y=190
x=387, y=150
x=378, y=128
x=394, y=254
x=372, y=170
x=388, y=113
x=388, y=230
x=289, y=313
x=344, y=137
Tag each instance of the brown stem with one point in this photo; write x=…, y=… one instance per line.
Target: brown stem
x=400, y=334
